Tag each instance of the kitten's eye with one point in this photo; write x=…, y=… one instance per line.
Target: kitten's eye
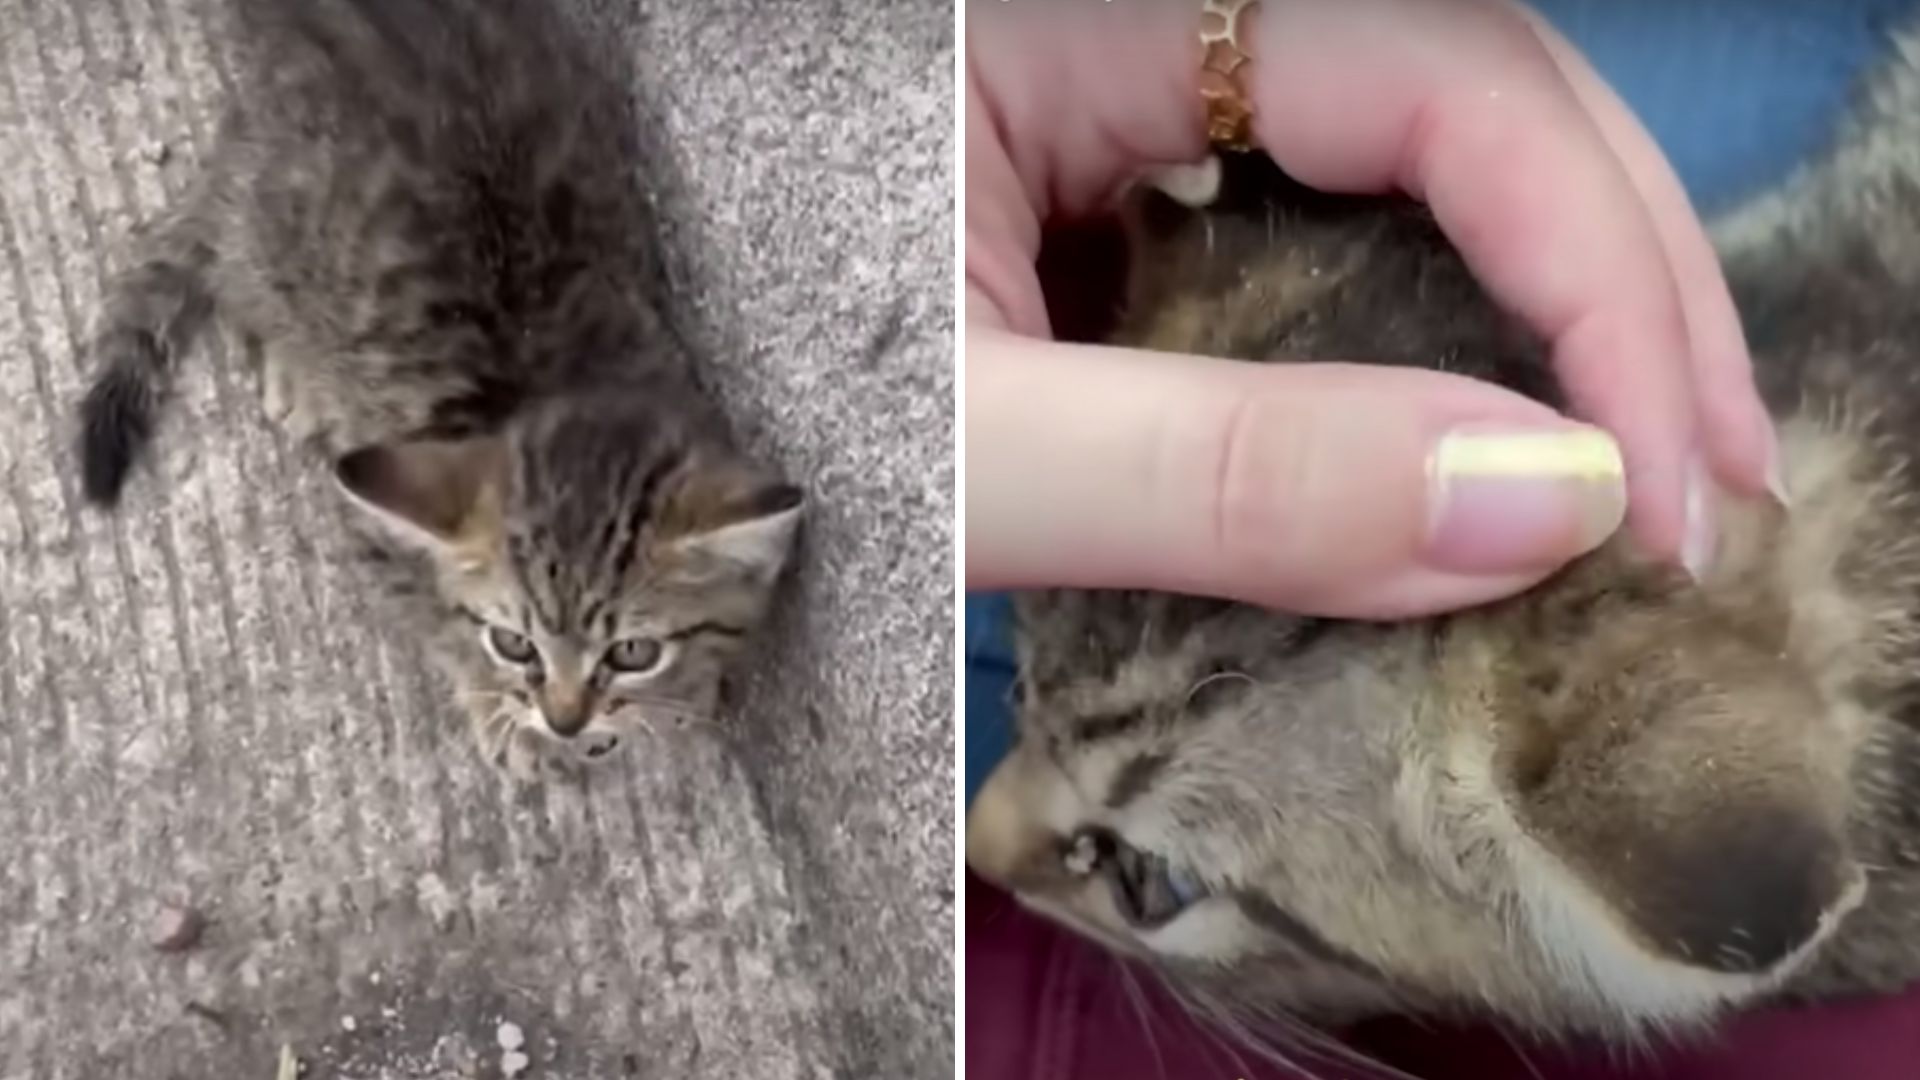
x=636, y=656
x=1146, y=890
x=512, y=647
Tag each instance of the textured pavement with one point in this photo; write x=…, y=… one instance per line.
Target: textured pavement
x=196, y=704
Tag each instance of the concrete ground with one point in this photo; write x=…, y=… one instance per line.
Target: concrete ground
x=197, y=707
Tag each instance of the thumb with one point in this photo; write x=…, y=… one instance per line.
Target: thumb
x=1327, y=489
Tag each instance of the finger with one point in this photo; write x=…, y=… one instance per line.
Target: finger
x=1002, y=227
x=1461, y=105
x=1340, y=490
x=1737, y=429
x=1084, y=93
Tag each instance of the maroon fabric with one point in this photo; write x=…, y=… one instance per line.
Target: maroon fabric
x=1043, y=1005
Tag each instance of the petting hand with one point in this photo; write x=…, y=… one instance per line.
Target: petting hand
x=1329, y=488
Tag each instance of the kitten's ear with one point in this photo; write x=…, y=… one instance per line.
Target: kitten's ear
x=429, y=492
x=1683, y=824
x=738, y=515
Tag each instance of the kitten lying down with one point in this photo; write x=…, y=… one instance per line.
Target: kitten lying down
x=422, y=217
x=1619, y=804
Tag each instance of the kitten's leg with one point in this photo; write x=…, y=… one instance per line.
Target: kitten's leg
x=276, y=389
x=281, y=396
x=506, y=744
x=523, y=757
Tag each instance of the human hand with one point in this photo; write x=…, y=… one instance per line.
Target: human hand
x=1105, y=467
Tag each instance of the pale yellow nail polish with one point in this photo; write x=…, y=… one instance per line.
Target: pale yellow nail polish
x=1504, y=499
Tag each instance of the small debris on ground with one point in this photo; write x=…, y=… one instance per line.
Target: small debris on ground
x=510, y=1036
x=348, y=1023
x=513, y=1063
x=208, y=1013
x=289, y=1065
x=176, y=928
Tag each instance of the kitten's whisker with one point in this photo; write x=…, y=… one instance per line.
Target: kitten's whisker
x=659, y=702
x=681, y=712
x=1216, y=677
x=1237, y=1022
x=472, y=698
x=1514, y=1045
x=1000, y=911
x=1326, y=1046
x=1138, y=999
x=1220, y=1027
x=1333, y=1050
x=501, y=730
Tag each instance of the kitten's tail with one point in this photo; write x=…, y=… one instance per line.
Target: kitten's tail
x=153, y=314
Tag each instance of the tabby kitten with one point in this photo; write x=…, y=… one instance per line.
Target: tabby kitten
x=1619, y=804
x=425, y=225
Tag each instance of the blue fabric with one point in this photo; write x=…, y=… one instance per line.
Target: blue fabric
x=1736, y=92
x=989, y=691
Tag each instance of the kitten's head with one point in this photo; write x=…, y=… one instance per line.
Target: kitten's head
x=1616, y=803
x=600, y=560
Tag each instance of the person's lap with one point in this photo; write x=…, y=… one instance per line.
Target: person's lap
x=1737, y=94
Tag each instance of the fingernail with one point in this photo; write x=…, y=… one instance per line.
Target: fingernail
x=1194, y=185
x=1776, y=476
x=1507, y=500
x=1699, y=539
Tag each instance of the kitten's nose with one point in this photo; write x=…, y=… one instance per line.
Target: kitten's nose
x=1009, y=842
x=565, y=707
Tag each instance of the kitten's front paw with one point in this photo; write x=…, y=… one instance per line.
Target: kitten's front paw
x=280, y=397
x=524, y=755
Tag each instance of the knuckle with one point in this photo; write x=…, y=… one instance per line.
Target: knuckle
x=1259, y=477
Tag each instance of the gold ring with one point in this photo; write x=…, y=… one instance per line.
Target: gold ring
x=1229, y=113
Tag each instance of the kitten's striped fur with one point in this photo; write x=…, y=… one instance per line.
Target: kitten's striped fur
x=1620, y=803
x=424, y=220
